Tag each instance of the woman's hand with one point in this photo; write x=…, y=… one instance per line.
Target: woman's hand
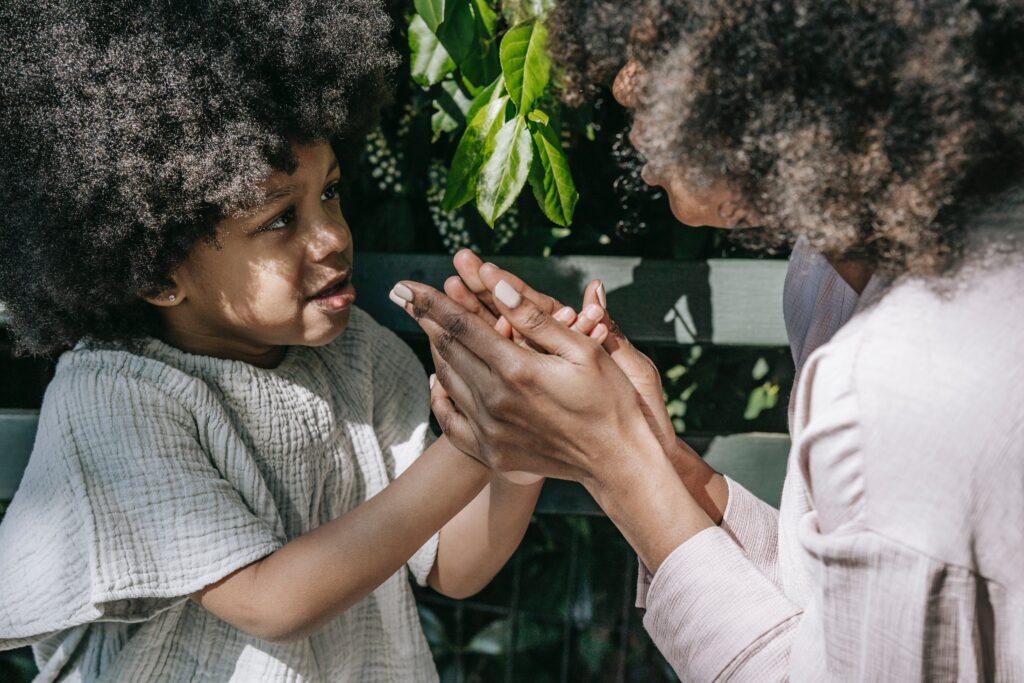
x=570, y=414
x=469, y=290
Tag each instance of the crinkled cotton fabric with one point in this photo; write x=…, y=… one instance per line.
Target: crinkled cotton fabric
x=156, y=474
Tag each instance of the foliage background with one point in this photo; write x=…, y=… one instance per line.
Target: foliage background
x=573, y=580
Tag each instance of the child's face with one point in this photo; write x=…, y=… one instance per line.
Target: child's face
x=281, y=277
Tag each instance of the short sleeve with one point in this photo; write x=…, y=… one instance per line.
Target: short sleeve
x=401, y=418
x=121, y=512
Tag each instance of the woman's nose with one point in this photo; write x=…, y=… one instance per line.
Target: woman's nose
x=626, y=82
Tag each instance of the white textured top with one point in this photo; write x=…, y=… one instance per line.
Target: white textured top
x=155, y=475
x=898, y=552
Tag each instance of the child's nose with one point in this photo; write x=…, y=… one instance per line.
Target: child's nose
x=331, y=238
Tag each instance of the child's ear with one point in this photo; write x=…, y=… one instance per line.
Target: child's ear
x=166, y=298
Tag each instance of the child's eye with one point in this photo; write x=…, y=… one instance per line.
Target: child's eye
x=331, y=192
x=280, y=222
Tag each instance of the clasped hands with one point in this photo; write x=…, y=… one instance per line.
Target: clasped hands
x=526, y=384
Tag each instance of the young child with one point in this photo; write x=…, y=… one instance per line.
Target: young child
x=233, y=474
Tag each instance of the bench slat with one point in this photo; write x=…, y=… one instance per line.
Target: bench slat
x=17, y=434
x=756, y=461
x=720, y=301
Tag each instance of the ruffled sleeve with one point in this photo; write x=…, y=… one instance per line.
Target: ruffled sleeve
x=121, y=512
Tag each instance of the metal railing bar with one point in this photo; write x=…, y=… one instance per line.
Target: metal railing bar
x=497, y=610
x=627, y=611
x=460, y=671
x=513, y=617
x=574, y=551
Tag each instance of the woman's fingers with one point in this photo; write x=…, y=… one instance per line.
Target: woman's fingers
x=468, y=266
x=453, y=423
x=455, y=332
x=536, y=326
x=450, y=383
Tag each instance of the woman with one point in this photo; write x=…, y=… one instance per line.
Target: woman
x=886, y=137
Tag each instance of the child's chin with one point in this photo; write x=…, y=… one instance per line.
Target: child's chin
x=324, y=336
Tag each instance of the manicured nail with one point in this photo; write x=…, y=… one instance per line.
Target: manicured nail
x=593, y=311
x=433, y=378
x=564, y=315
x=507, y=295
x=601, y=298
x=397, y=300
x=402, y=292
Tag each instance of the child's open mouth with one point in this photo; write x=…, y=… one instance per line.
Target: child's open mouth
x=337, y=296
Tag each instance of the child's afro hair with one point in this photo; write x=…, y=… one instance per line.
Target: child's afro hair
x=875, y=129
x=129, y=127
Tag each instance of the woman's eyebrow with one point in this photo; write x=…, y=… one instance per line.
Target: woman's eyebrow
x=332, y=167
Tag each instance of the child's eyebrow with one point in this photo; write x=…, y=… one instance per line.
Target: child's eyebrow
x=278, y=193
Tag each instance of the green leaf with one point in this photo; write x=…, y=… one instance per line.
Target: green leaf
x=432, y=11
x=491, y=640
x=764, y=397
x=458, y=30
x=492, y=92
x=429, y=61
x=464, y=33
x=469, y=156
x=486, y=17
x=550, y=177
x=525, y=63
x=505, y=171
x=451, y=107
x=434, y=631
x=537, y=116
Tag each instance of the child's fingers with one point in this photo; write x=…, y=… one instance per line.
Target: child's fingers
x=600, y=333
x=504, y=328
x=594, y=293
x=457, y=290
x=589, y=317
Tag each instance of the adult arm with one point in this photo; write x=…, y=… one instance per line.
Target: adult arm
x=711, y=611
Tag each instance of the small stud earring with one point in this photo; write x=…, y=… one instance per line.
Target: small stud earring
x=171, y=298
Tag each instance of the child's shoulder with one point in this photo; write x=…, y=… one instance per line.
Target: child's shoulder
x=90, y=380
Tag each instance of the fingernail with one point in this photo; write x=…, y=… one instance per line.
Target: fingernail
x=433, y=378
x=507, y=295
x=601, y=298
x=402, y=292
x=564, y=315
x=593, y=311
x=397, y=300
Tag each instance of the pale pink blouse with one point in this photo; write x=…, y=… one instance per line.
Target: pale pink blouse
x=898, y=551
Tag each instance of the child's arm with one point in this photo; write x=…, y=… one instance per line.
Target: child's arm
x=478, y=541
x=310, y=580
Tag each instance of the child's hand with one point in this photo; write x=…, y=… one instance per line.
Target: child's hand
x=473, y=295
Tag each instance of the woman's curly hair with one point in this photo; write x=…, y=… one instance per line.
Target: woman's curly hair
x=129, y=127
x=874, y=128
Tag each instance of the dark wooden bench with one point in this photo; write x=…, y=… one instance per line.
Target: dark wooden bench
x=719, y=302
